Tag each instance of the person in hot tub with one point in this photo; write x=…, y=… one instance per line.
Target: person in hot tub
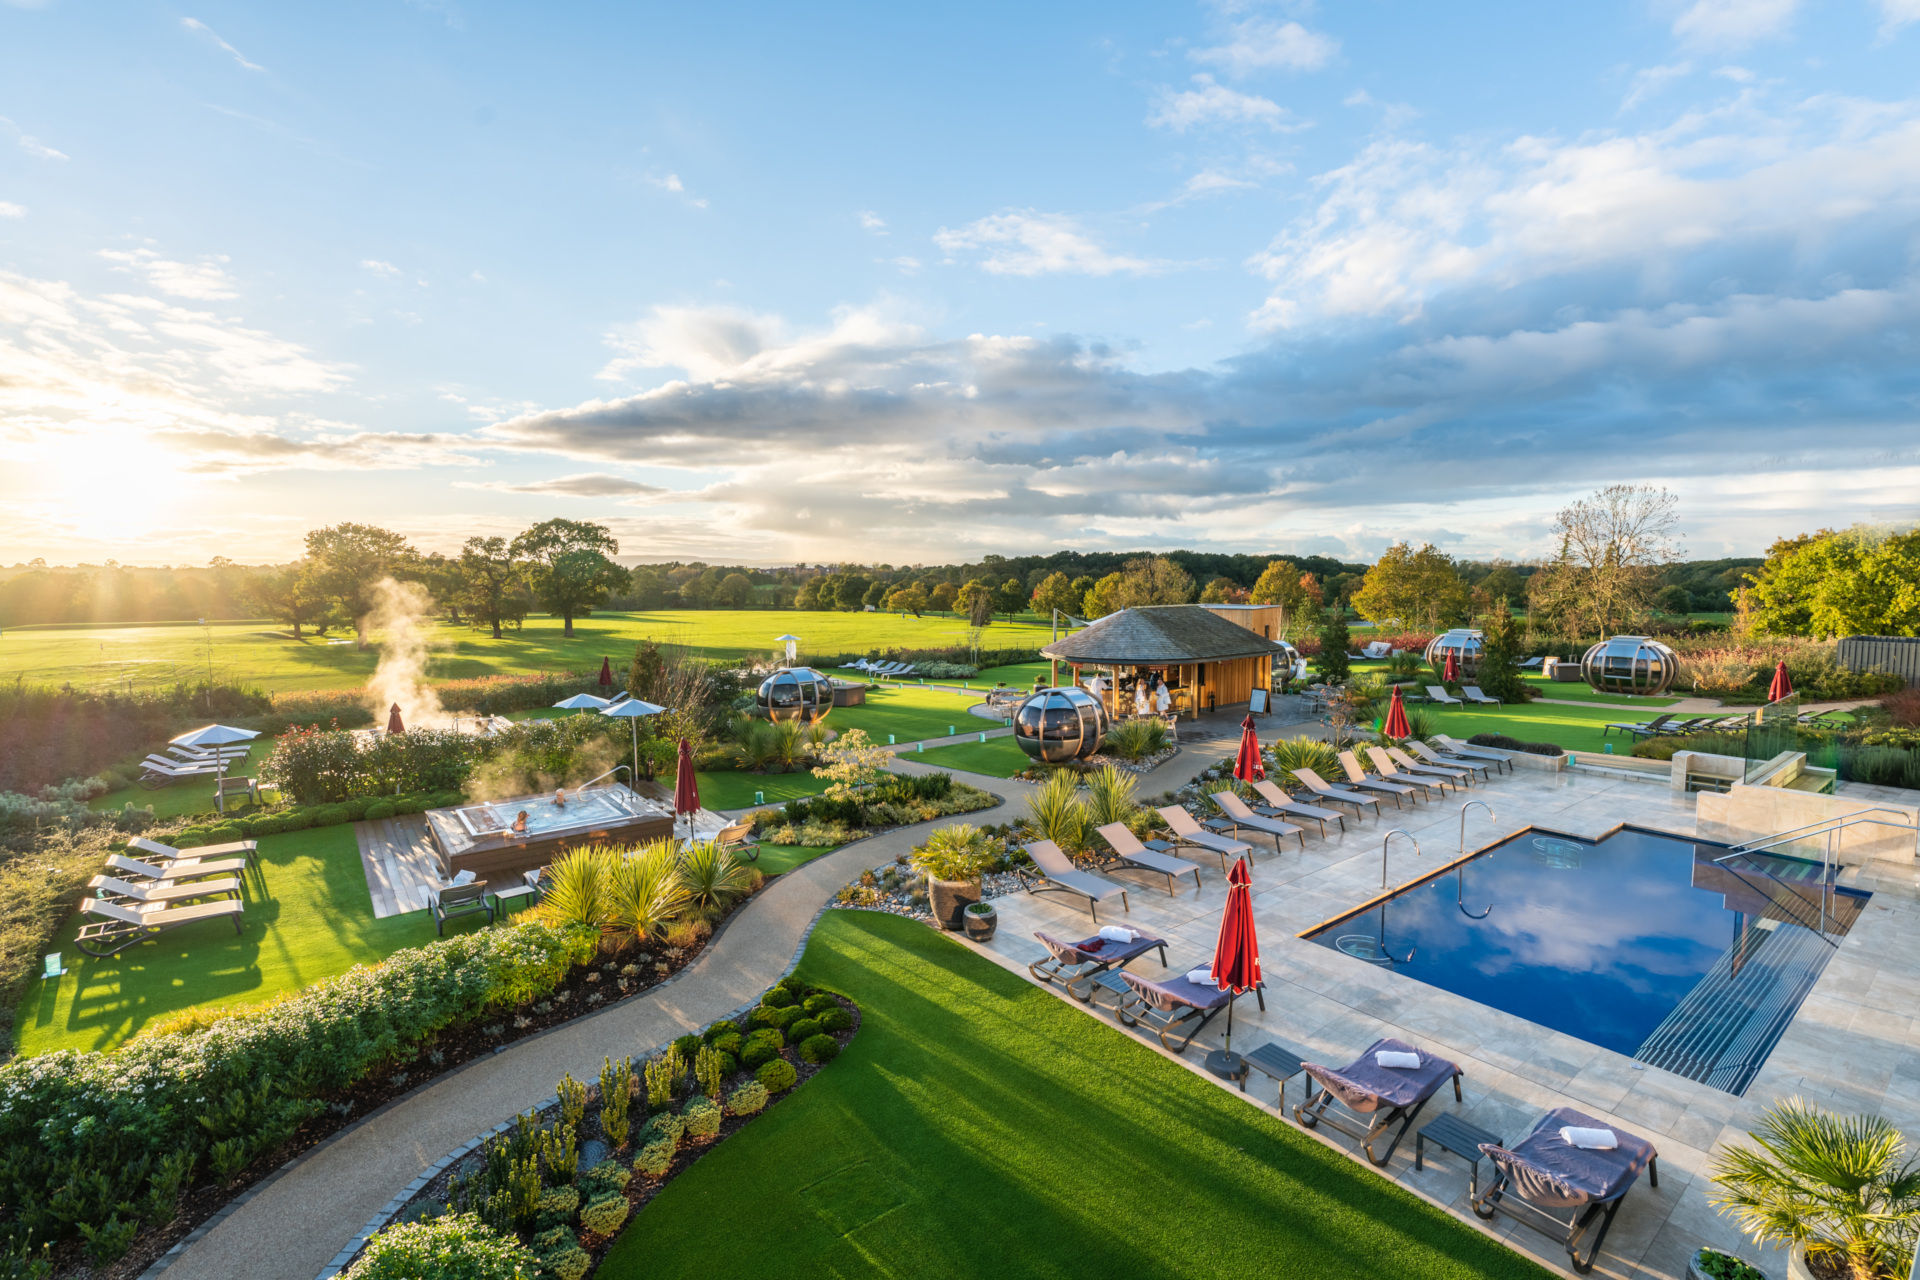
x=560, y=798
x=520, y=823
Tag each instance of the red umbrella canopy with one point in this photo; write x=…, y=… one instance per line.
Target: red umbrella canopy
x=1452, y=674
x=393, y=720
x=1236, y=956
x=606, y=673
x=1397, y=726
x=686, y=788
x=1248, y=767
x=1782, y=687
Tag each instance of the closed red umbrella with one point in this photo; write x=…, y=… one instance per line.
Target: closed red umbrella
x=686, y=788
x=1247, y=766
x=1397, y=726
x=1236, y=958
x=606, y=673
x=1452, y=674
x=393, y=720
x=1782, y=687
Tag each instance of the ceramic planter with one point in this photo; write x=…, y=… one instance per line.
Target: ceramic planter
x=949, y=899
x=980, y=922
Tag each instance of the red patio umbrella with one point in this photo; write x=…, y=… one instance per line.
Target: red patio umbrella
x=1236, y=957
x=686, y=788
x=1247, y=766
x=1452, y=674
x=1397, y=726
x=393, y=720
x=1782, y=687
x=606, y=673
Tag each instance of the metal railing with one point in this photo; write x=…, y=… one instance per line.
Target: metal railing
x=1383, y=851
x=1460, y=873
x=1828, y=827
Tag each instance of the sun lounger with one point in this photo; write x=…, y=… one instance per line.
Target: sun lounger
x=1471, y=692
x=1455, y=747
x=201, y=755
x=1187, y=831
x=1371, y=1097
x=1128, y=849
x=162, y=891
x=1164, y=1007
x=1279, y=802
x=1376, y=649
x=185, y=869
x=153, y=850
x=1335, y=795
x=1531, y=664
x=1356, y=776
x=1483, y=767
x=1241, y=814
x=1409, y=765
x=119, y=927
x=157, y=772
x=1638, y=728
x=1057, y=874
x=1544, y=1175
x=1079, y=963
x=1390, y=771
x=1436, y=693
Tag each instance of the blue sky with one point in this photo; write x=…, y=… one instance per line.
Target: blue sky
x=777, y=284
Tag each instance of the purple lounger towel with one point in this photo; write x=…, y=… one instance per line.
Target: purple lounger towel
x=1096, y=948
x=1548, y=1172
x=1366, y=1086
x=1176, y=993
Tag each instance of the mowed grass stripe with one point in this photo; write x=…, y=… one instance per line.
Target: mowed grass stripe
x=978, y=1126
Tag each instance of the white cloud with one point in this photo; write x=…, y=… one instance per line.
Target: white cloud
x=1212, y=103
x=1259, y=44
x=30, y=144
x=1024, y=242
x=203, y=281
x=1895, y=14
x=1649, y=81
x=593, y=484
x=194, y=24
x=671, y=182
x=11, y=210
x=907, y=263
x=385, y=270
x=873, y=222
x=1733, y=24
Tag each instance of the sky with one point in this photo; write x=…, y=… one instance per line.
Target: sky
x=898, y=284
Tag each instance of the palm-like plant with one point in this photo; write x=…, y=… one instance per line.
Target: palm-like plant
x=1304, y=753
x=1135, y=739
x=958, y=852
x=1838, y=1186
x=709, y=879
x=575, y=888
x=1110, y=796
x=1058, y=814
x=643, y=892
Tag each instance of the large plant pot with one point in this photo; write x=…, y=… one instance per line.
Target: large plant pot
x=1797, y=1268
x=1695, y=1271
x=980, y=924
x=949, y=900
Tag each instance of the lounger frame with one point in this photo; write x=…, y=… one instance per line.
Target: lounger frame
x=1073, y=975
x=1136, y=1012
x=1570, y=1231
x=1314, y=1111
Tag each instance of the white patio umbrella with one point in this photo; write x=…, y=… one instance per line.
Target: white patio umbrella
x=793, y=646
x=216, y=736
x=631, y=710
x=581, y=702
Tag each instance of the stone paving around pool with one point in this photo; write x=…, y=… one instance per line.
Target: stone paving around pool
x=1851, y=1048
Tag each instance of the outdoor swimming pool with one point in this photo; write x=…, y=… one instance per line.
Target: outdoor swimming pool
x=1640, y=942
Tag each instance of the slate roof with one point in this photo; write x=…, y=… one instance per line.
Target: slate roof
x=1160, y=634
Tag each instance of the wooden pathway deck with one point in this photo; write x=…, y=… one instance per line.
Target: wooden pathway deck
x=399, y=862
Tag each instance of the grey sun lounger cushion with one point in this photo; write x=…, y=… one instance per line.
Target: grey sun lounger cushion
x=1058, y=873
x=1127, y=847
x=1177, y=993
x=154, y=849
x=1099, y=950
x=1365, y=1086
x=1241, y=814
x=184, y=870
x=163, y=890
x=1327, y=791
x=1435, y=693
x=1545, y=1170
x=1188, y=831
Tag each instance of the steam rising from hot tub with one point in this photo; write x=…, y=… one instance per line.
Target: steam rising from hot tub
x=400, y=611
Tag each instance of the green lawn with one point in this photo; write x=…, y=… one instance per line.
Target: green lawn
x=1580, y=691
x=259, y=654
x=910, y=713
x=775, y=859
x=996, y=757
x=980, y=1126
x=736, y=790
x=1575, y=728
x=308, y=917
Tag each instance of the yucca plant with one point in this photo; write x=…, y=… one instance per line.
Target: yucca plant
x=710, y=879
x=1057, y=812
x=789, y=743
x=959, y=852
x=1136, y=739
x=755, y=742
x=644, y=893
x=1110, y=796
x=1837, y=1186
x=1304, y=753
x=576, y=888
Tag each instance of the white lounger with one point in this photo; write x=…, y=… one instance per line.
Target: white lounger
x=1336, y=795
x=119, y=927
x=1471, y=692
x=1357, y=777
x=163, y=891
x=1436, y=693
x=167, y=853
x=186, y=869
x=1279, y=801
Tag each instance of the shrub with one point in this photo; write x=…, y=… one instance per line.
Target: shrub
x=457, y=1246
x=783, y=1019
x=729, y=1042
x=665, y=1127
x=729, y=1063
x=688, y=1045
x=748, y=1098
x=560, y=1201
x=820, y=1003
x=1724, y=1266
x=836, y=1020
x=776, y=998
x=329, y=816
x=763, y=1017
x=654, y=1159
x=560, y=1254
x=819, y=1049
x=803, y=1030
x=379, y=811
x=958, y=852
x=777, y=1075
x=762, y=1047
x=703, y=1116
x=602, y=1178
x=606, y=1215
x=794, y=985
x=720, y=1028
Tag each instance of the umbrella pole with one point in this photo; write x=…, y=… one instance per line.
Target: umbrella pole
x=1230, y=1026
x=219, y=780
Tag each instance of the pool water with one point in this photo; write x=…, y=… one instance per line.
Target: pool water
x=1638, y=942
x=587, y=808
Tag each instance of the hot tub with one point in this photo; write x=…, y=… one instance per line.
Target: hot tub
x=480, y=837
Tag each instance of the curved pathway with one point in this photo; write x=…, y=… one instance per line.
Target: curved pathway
x=292, y=1227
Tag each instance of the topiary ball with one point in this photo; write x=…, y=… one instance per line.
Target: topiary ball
x=718, y=1029
x=819, y=1003
x=748, y=1098
x=819, y=1049
x=654, y=1159
x=764, y=1016
x=836, y=1020
x=688, y=1045
x=728, y=1042
x=379, y=811
x=778, y=1075
x=703, y=1116
x=606, y=1215
x=758, y=1053
x=776, y=998
x=560, y=1200
x=793, y=985
x=802, y=1031
x=728, y=1063
x=785, y=1018
x=602, y=1178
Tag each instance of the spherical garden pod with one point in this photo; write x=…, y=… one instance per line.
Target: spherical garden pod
x=1464, y=646
x=1058, y=725
x=795, y=693
x=1630, y=664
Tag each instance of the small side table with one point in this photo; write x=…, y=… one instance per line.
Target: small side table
x=516, y=892
x=1113, y=984
x=1276, y=1064
x=1451, y=1133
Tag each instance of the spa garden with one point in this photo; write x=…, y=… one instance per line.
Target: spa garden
x=1170, y=948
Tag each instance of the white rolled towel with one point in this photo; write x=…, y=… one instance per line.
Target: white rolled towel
x=1114, y=933
x=1589, y=1139
x=1394, y=1058
x=465, y=877
x=1202, y=977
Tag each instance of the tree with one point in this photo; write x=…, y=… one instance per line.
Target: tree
x=1102, y=598
x=1331, y=661
x=1504, y=585
x=290, y=595
x=1413, y=588
x=734, y=592
x=1281, y=583
x=647, y=588
x=850, y=591
x=1499, y=670
x=1612, y=549
x=571, y=568
x=1855, y=582
x=976, y=601
x=908, y=599
x=1152, y=580
x=1218, y=591
x=1673, y=599
x=490, y=583
x=1011, y=598
x=874, y=595
x=347, y=560
x=943, y=596
x=1056, y=592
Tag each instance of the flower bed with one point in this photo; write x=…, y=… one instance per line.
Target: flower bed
x=554, y=1189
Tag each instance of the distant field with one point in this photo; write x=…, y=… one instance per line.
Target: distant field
x=260, y=655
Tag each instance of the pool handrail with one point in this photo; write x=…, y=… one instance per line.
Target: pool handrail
x=1397, y=831
x=1460, y=876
